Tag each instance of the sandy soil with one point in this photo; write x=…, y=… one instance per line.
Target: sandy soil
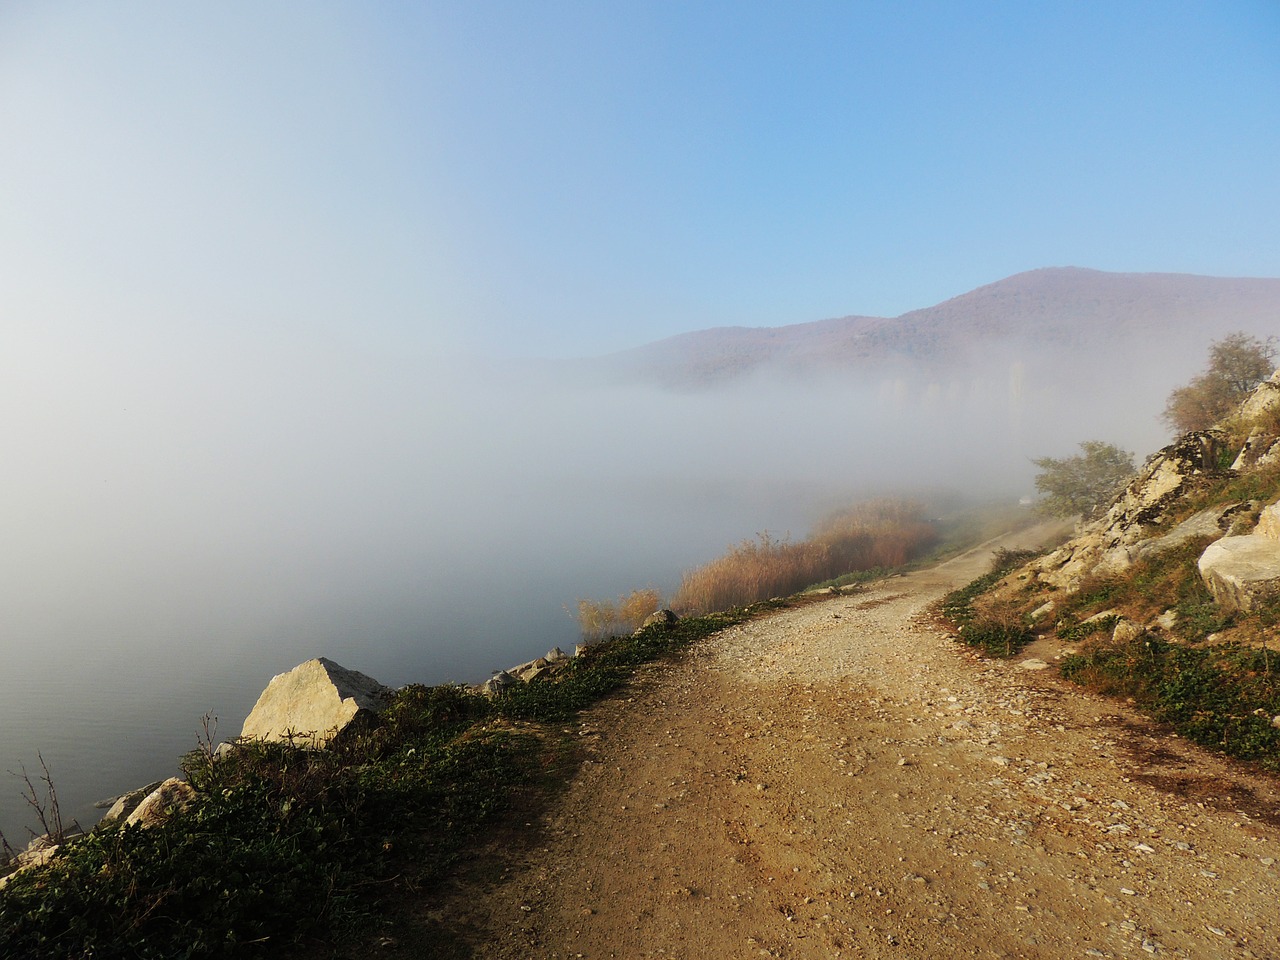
x=844, y=780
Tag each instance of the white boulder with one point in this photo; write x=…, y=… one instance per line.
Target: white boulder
x=167, y=800
x=313, y=703
x=1243, y=571
x=126, y=803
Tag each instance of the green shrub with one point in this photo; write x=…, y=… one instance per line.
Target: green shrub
x=1006, y=559
x=1088, y=628
x=997, y=638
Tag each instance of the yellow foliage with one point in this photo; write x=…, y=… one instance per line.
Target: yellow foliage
x=606, y=618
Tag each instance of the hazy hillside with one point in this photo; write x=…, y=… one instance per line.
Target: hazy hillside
x=1053, y=321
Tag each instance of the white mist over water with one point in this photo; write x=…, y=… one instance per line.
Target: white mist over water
x=181, y=524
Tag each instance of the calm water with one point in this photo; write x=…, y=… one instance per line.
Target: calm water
x=122, y=714
x=108, y=724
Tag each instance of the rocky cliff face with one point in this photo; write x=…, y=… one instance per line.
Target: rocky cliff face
x=1164, y=507
x=1137, y=520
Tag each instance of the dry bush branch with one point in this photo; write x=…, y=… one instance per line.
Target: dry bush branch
x=47, y=810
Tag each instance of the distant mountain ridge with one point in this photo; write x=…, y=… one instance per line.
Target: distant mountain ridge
x=1074, y=315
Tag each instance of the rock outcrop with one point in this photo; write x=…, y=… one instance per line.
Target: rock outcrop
x=1126, y=532
x=532, y=670
x=549, y=665
x=497, y=683
x=1263, y=404
x=660, y=619
x=1216, y=521
x=39, y=852
x=313, y=703
x=1244, y=571
x=126, y=803
x=1262, y=411
x=1240, y=565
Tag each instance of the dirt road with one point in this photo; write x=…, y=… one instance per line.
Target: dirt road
x=844, y=780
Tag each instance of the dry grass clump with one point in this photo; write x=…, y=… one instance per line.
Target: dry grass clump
x=879, y=533
x=753, y=570
x=608, y=618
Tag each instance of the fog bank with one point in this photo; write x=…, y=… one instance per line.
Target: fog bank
x=198, y=516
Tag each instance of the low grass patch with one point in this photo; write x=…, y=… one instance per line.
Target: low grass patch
x=286, y=848
x=603, y=668
x=1223, y=696
x=1089, y=628
x=1095, y=595
x=999, y=630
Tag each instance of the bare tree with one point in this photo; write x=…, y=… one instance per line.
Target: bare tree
x=46, y=807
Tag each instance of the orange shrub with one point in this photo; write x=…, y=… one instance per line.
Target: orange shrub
x=753, y=570
x=879, y=533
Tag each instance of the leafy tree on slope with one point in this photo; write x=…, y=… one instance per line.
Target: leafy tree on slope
x=1084, y=484
x=1237, y=363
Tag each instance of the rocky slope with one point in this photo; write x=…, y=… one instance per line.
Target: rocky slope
x=1213, y=492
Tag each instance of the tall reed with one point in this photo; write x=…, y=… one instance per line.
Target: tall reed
x=877, y=533
x=598, y=619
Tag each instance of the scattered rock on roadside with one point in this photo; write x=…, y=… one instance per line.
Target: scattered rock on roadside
x=660, y=619
x=497, y=683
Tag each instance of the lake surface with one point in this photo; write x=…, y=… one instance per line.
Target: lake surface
x=110, y=723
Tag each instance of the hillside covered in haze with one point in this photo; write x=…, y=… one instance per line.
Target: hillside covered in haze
x=1055, y=323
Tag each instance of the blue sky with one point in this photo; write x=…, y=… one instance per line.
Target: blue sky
x=564, y=178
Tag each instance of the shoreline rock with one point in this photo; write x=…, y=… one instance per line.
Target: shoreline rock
x=313, y=703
